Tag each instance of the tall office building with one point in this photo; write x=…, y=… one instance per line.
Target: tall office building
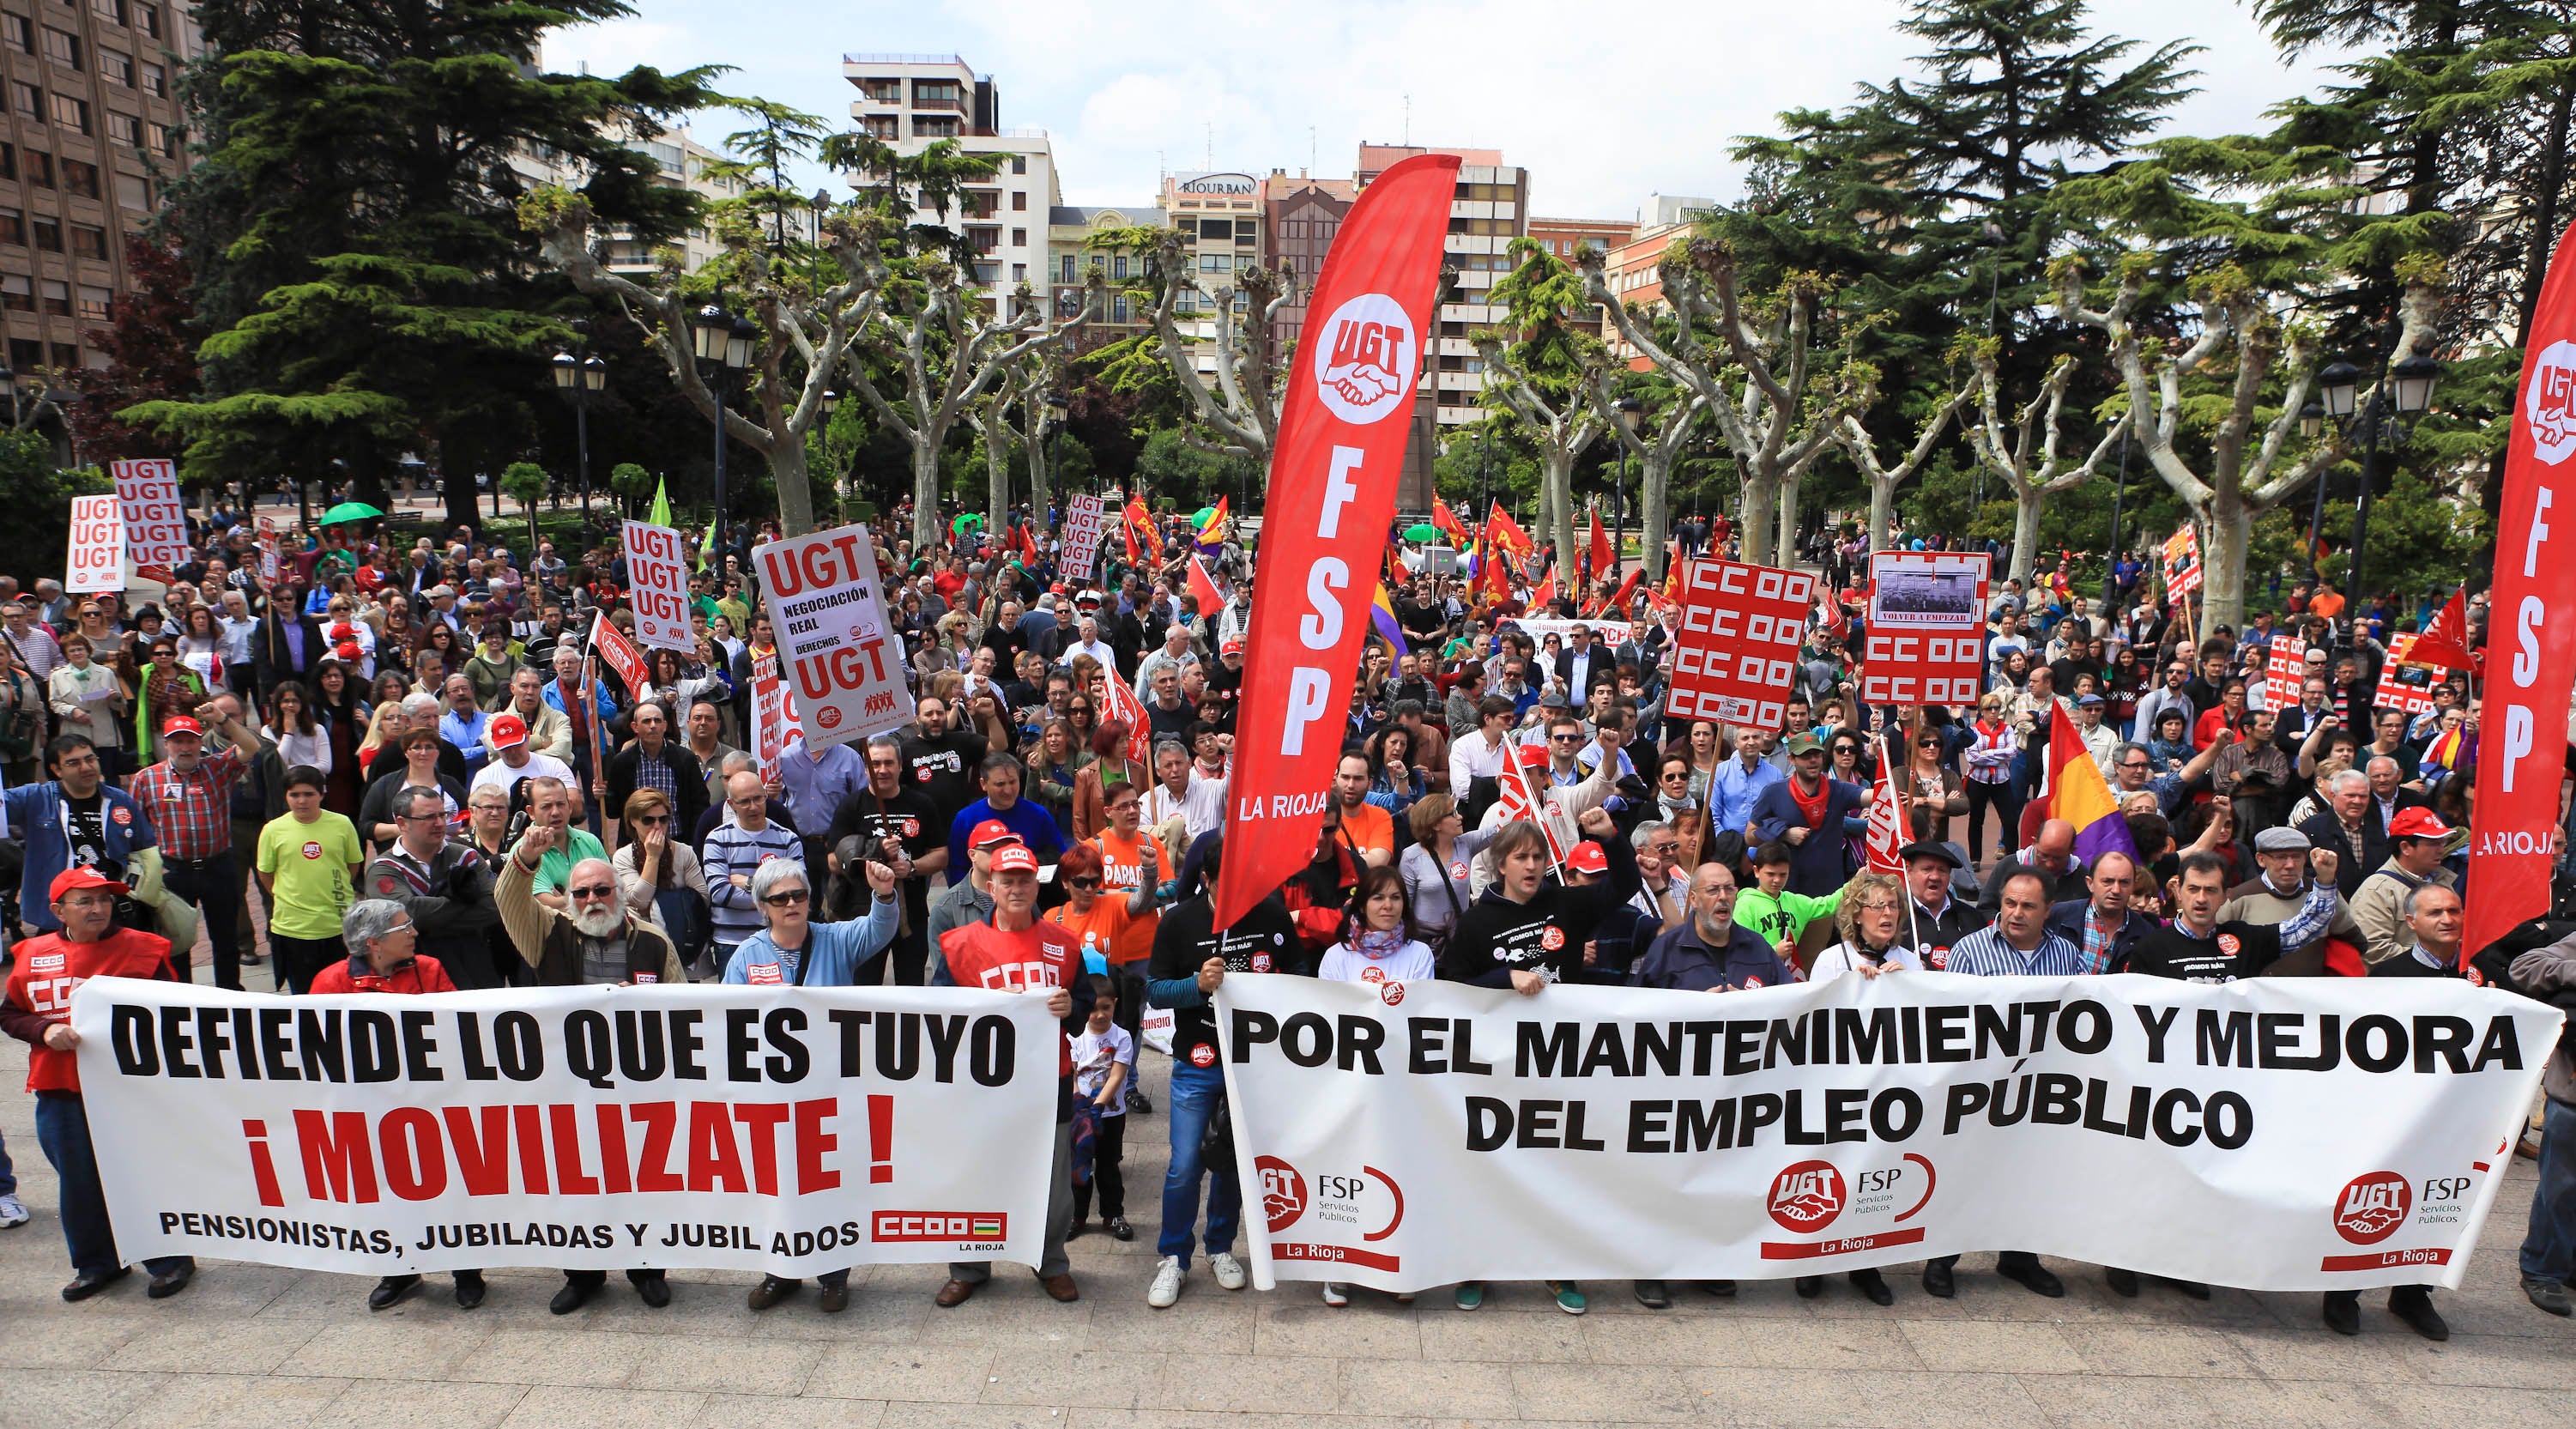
x=1221, y=219
x=914, y=101
x=1305, y=214
x=91, y=118
x=1488, y=211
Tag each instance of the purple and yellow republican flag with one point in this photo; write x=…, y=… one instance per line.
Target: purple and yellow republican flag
x=2078, y=794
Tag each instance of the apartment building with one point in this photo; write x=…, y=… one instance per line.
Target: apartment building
x=1305, y=213
x=682, y=163
x=1072, y=260
x=1566, y=238
x=1221, y=219
x=92, y=118
x=1488, y=211
x=912, y=101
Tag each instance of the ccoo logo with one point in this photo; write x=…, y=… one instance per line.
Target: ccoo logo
x=1807, y=1196
x=2372, y=1207
x=1365, y=360
x=1283, y=1192
x=2549, y=403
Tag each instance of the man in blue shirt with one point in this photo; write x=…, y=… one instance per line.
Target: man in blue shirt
x=1739, y=782
x=812, y=783
x=2017, y=944
x=1000, y=777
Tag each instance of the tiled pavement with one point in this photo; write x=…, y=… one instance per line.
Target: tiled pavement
x=275, y=1348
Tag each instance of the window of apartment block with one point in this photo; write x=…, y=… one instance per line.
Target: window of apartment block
x=89, y=241
x=882, y=126
x=57, y=295
x=80, y=178
x=1244, y=234
x=63, y=48
x=1019, y=163
x=27, y=101
x=1019, y=272
x=928, y=126
x=124, y=129
x=935, y=91
x=8, y=161
x=1216, y=230
x=883, y=91
x=119, y=68
x=48, y=233
x=982, y=203
x=19, y=33
x=26, y=354
x=1118, y=307
x=71, y=113
x=147, y=18
x=13, y=227
x=133, y=191
x=1019, y=238
x=1019, y=201
x=156, y=80
x=40, y=168
x=112, y=10
x=67, y=354
x=92, y=303
x=161, y=139
x=1067, y=268
x=17, y=292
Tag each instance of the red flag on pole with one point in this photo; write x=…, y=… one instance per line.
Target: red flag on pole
x=1117, y=701
x=1333, y=476
x=2513, y=835
x=1603, y=560
x=1204, y=588
x=1447, y=520
x=1546, y=592
x=1886, y=819
x=2445, y=642
x=1506, y=532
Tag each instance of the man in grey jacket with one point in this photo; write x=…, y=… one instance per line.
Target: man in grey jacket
x=2549, y=1245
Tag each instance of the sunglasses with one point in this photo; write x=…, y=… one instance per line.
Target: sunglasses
x=1082, y=883
x=787, y=899
x=592, y=892
x=647, y=819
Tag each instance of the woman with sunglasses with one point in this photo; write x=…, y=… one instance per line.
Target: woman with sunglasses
x=1931, y=782
x=1376, y=946
x=659, y=876
x=169, y=689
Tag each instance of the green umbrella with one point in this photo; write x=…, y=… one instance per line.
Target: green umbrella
x=348, y=511
x=1424, y=532
x=1204, y=513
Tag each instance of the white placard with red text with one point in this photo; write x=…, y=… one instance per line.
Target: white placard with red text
x=1083, y=524
x=2273, y=1133
x=658, y=588
x=843, y=667
x=95, y=556
x=1927, y=623
x=270, y=561
x=2285, y=668
x=156, y=519
x=1737, y=649
x=792, y=1130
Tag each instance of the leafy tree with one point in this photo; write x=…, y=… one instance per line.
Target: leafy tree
x=525, y=483
x=1189, y=474
x=149, y=356
x=30, y=481
x=633, y=485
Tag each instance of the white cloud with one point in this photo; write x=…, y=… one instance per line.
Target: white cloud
x=1602, y=103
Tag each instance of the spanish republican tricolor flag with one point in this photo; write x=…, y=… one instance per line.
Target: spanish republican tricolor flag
x=2078, y=794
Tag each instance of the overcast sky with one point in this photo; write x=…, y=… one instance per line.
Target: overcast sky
x=1648, y=100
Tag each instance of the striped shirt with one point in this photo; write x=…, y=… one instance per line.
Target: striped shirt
x=730, y=849
x=1984, y=953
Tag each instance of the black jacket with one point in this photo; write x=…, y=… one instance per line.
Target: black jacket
x=1263, y=940
x=691, y=800
x=272, y=651
x=1496, y=937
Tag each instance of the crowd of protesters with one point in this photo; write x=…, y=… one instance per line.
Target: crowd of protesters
x=391, y=764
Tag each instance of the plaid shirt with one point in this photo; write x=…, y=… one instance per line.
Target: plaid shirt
x=192, y=812
x=2098, y=936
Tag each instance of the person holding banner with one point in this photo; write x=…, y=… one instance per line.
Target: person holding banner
x=35, y=1008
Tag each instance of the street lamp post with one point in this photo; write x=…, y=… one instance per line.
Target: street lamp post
x=722, y=344
x=2111, y=575
x=1627, y=409
x=2405, y=387
x=579, y=379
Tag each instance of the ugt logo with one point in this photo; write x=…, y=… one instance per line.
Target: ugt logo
x=1807, y=1196
x=1283, y=1192
x=1364, y=366
x=2372, y=1207
x=2549, y=403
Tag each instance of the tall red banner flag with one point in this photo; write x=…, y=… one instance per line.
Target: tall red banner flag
x=2531, y=636
x=1332, y=491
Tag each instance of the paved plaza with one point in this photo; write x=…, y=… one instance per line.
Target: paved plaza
x=273, y=1348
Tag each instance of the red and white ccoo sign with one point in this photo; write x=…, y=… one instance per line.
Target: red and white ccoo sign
x=1084, y=521
x=96, y=559
x=658, y=588
x=844, y=672
x=2285, y=666
x=156, y=519
x=1927, y=623
x=1737, y=649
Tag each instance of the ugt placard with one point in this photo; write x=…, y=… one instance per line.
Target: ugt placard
x=659, y=582
x=1083, y=524
x=1926, y=628
x=843, y=670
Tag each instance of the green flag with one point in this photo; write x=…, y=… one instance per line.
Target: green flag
x=660, y=515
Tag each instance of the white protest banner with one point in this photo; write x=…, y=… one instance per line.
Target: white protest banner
x=773, y=723
x=1737, y=648
x=600, y=1128
x=95, y=558
x=610, y=644
x=2275, y=1134
x=844, y=670
x=1083, y=524
x=2285, y=666
x=1927, y=622
x=658, y=587
x=156, y=519
x=1612, y=632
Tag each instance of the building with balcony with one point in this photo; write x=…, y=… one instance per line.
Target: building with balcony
x=1072, y=260
x=1305, y=214
x=1488, y=211
x=1566, y=238
x=912, y=101
x=1221, y=219
x=94, y=129
x=681, y=162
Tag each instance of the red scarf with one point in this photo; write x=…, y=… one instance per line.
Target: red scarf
x=1812, y=810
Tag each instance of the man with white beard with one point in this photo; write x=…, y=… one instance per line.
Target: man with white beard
x=598, y=941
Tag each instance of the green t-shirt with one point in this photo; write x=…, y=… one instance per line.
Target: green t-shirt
x=309, y=868
x=555, y=869
x=1782, y=918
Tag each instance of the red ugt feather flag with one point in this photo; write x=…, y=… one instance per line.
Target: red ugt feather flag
x=1332, y=487
x=2513, y=835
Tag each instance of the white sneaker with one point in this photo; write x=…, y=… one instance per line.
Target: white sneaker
x=1228, y=1271
x=1336, y=1294
x=13, y=1212
x=1167, y=1283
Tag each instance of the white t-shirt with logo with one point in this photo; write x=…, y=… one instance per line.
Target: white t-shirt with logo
x=1094, y=1053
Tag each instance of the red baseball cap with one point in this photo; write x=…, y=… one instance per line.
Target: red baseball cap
x=1233, y=646
x=182, y=724
x=1015, y=859
x=72, y=880
x=992, y=833
x=347, y=651
x=504, y=731
x=2418, y=824
x=1530, y=755
x=1587, y=857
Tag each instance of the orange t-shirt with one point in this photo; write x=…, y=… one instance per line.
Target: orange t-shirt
x=1099, y=930
x=1123, y=862
x=1370, y=827
x=2326, y=606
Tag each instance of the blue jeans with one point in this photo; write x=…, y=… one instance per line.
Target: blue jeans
x=2549, y=1247
x=1195, y=1093
x=62, y=1128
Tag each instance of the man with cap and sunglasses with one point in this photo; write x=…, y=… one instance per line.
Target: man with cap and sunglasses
x=2417, y=841
x=969, y=900
x=35, y=1008
x=188, y=799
